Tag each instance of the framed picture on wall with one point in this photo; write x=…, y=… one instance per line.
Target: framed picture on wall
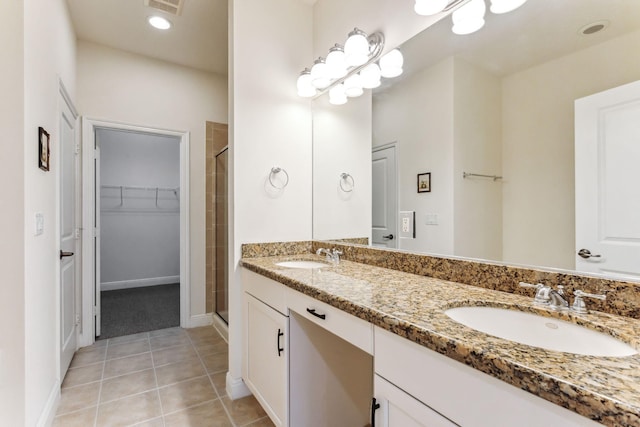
x=424, y=182
x=43, y=149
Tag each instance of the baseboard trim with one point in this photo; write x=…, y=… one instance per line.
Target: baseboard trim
x=139, y=283
x=51, y=407
x=200, y=320
x=236, y=388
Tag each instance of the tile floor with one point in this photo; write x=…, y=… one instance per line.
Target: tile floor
x=170, y=377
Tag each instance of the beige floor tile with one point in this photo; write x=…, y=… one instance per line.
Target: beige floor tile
x=262, y=422
x=202, y=333
x=130, y=410
x=84, y=418
x=169, y=331
x=219, y=381
x=156, y=422
x=89, y=356
x=126, y=385
x=80, y=397
x=83, y=375
x=127, y=349
x=173, y=354
x=217, y=362
x=185, y=394
x=127, y=365
x=207, y=414
x=204, y=348
x=129, y=338
x=180, y=371
x=165, y=341
x=244, y=411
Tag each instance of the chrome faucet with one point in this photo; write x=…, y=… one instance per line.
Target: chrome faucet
x=548, y=297
x=333, y=256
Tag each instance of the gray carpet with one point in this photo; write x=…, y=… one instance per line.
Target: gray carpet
x=129, y=311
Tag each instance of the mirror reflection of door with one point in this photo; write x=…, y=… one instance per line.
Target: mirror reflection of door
x=384, y=197
x=607, y=195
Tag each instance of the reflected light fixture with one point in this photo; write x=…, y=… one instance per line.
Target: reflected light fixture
x=159, y=22
x=430, y=7
x=348, y=70
x=469, y=18
x=504, y=6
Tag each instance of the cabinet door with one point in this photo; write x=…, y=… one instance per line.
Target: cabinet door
x=266, y=359
x=399, y=409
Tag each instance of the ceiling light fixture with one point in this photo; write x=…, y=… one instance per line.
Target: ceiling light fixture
x=159, y=22
x=346, y=72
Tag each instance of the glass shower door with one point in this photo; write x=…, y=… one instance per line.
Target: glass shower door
x=222, y=239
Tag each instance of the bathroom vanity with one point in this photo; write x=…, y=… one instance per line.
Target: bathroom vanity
x=396, y=359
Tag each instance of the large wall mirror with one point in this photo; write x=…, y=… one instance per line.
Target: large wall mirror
x=499, y=102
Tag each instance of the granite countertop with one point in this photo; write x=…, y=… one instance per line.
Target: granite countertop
x=605, y=389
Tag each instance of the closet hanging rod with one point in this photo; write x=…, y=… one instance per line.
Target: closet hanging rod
x=134, y=187
x=478, y=175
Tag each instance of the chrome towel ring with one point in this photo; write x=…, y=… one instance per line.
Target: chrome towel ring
x=347, y=183
x=275, y=171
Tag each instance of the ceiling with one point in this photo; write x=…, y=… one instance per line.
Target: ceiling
x=198, y=38
x=537, y=32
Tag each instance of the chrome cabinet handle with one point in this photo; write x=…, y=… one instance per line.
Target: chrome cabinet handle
x=586, y=254
x=388, y=236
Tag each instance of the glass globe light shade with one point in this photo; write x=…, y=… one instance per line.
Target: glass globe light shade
x=356, y=49
x=353, y=86
x=469, y=18
x=337, y=95
x=391, y=64
x=370, y=76
x=319, y=75
x=430, y=7
x=504, y=6
x=159, y=22
x=305, y=88
x=336, y=65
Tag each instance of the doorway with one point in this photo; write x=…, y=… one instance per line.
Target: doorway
x=138, y=200
x=384, y=199
x=222, y=239
x=144, y=203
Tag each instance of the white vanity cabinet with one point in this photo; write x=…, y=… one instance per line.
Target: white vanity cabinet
x=461, y=394
x=399, y=409
x=265, y=367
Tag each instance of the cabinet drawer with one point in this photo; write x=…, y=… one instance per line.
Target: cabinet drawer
x=356, y=331
x=266, y=290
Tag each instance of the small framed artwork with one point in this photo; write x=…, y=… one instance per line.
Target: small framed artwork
x=424, y=182
x=43, y=149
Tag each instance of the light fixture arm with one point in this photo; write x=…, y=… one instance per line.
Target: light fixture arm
x=376, y=44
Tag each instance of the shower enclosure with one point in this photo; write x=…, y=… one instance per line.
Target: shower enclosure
x=221, y=233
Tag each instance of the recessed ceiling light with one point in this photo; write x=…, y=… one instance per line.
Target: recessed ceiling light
x=593, y=27
x=159, y=22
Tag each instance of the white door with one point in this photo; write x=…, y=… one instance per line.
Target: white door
x=96, y=240
x=384, y=197
x=607, y=154
x=68, y=236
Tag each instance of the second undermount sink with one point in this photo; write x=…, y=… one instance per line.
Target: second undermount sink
x=301, y=263
x=540, y=331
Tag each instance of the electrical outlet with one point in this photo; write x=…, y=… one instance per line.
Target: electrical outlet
x=407, y=224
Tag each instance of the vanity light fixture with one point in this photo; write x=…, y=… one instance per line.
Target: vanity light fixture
x=348, y=70
x=430, y=7
x=469, y=18
x=159, y=22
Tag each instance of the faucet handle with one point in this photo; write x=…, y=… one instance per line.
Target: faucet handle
x=579, y=305
x=337, y=252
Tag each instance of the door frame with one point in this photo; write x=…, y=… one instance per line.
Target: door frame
x=89, y=126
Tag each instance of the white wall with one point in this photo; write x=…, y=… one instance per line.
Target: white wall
x=423, y=130
x=117, y=86
x=538, y=159
x=477, y=131
x=270, y=42
x=12, y=216
x=49, y=55
x=139, y=237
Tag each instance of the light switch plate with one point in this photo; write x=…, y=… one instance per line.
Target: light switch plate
x=39, y=224
x=431, y=219
x=407, y=225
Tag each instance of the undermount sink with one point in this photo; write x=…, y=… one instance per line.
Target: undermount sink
x=302, y=264
x=540, y=331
